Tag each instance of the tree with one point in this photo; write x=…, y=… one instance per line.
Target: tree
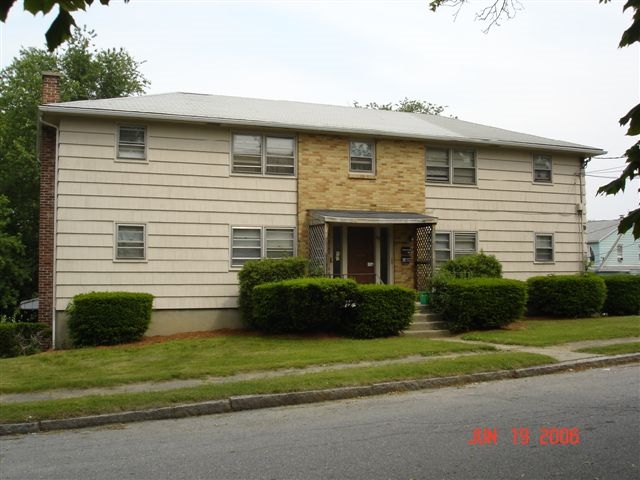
x=500, y=9
x=405, y=105
x=60, y=29
x=86, y=73
x=12, y=262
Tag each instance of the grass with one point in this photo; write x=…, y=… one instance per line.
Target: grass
x=200, y=358
x=617, y=349
x=542, y=333
x=93, y=405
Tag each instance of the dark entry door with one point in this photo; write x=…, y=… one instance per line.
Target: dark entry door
x=361, y=254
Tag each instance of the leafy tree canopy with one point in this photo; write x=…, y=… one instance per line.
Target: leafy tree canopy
x=60, y=29
x=497, y=10
x=86, y=73
x=405, y=105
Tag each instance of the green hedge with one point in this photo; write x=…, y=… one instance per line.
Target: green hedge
x=265, y=271
x=23, y=338
x=573, y=296
x=380, y=311
x=483, y=303
x=108, y=318
x=473, y=266
x=623, y=295
x=302, y=305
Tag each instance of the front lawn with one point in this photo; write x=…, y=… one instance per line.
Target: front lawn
x=616, y=349
x=542, y=333
x=199, y=358
x=98, y=404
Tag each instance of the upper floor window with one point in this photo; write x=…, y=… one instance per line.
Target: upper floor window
x=132, y=142
x=542, y=167
x=362, y=157
x=254, y=243
x=450, y=245
x=262, y=154
x=544, y=247
x=451, y=165
x=130, y=242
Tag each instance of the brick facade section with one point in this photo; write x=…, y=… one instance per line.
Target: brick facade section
x=46, y=245
x=325, y=183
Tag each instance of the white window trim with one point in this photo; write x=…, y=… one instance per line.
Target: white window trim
x=533, y=169
x=452, y=169
x=453, y=252
x=535, y=247
x=144, y=244
x=368, y=173
x=263, y=154
x=263, y=241
x=145, y=157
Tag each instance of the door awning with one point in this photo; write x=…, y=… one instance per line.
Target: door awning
x=370, y=218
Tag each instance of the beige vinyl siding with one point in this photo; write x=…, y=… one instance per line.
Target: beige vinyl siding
x=506, y=208
x=183, y=194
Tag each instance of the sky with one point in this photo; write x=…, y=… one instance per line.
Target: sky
x=554, y=70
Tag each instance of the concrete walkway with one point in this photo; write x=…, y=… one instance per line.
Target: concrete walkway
x=562, y=353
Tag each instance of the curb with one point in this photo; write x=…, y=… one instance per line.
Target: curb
x=252, y=402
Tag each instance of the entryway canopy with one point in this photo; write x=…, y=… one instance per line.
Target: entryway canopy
x=360, y=244
x=319, y=217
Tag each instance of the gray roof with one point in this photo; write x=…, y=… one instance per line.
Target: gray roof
x=598, y=230
x=252, y=112
x=369, y=217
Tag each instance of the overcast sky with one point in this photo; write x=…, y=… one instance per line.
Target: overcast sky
x=554, y=70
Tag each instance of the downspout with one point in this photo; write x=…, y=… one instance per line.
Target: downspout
x=580, y=211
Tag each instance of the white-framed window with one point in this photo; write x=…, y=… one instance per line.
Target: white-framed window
x=132, y=142
x=256, y=154
x=542, y=168
x=450, y=245
x=451, y=165
x=544, y=250
x=254, y=243
x=620, y=252
x=362, y=156
x=130, y=242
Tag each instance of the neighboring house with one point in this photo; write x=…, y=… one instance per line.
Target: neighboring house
x=171, y=194
x=610, y=251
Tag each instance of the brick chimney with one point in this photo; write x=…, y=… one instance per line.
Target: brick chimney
x=46, y=242
x=50, y=87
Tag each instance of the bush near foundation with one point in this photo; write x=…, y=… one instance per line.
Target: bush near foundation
x=380, y=311
x=265, y=271
x=572, y=296
x=483, y=303
x=478, y=265
x=108, y=318
x=23, y=338
x=623, y=295
x=302, y=305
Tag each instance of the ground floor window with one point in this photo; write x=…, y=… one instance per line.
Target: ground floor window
x=254, y=243
x=450, y=245
x=130, y=242
x=544, y=247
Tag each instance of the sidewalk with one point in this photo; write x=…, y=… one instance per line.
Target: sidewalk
x=567, y=357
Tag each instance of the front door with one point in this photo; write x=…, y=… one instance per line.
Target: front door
x=361, y=253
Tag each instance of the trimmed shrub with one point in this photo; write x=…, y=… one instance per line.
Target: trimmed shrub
x=108, y=318
x=473, y=266
x=573, y=296
x=23, y=338
x=623, y=295
x=302, y=305
x=264, y=271
x=380, y=311
x=483, y=303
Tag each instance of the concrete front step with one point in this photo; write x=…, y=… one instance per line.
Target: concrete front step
x=426, y=323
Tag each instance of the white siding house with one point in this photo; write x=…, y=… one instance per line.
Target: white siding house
x=171, y=194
